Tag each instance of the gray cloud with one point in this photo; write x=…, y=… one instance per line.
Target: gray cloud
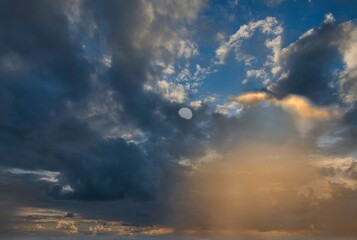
x=320, y=66
x=306, y=65
x=48, y=76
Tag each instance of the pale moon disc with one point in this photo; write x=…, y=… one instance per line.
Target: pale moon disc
x=185, y=113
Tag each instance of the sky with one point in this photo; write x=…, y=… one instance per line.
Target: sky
x=182, y=119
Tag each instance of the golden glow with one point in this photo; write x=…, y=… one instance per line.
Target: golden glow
x=158, y=231
x=301, y=107
x=252, y=98
x=51, y=221
x=258, y=188
x=297, y=105
x=304, y=113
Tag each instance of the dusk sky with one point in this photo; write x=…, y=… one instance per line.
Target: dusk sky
x=178, y=119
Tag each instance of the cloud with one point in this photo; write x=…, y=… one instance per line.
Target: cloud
x=262, y=64
x=304, y=63
x=329, y=18
x=42, y=175
x=305, y=71
x=295, y=104
x=349, y=75
x=67, y=226
x=267, y=188
x=99, y=228
x=56, y=127
x=172, y=92
x=89, y=128
x=47, y=223
x=39, y=227
x=302, y=110
x=268, y=26
x=89, y=123
x=251, y=99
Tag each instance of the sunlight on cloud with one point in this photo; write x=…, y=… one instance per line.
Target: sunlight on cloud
x=251, y=99
x=303, y=111
x=261, y=189
x=46, y=222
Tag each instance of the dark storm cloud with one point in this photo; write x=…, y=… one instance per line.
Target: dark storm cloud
x=45, y=76
x=317, y=66
x=36, y=44
x=41, y=68
x=169, y=137
x=308, y=62
x=109, y=170
x=132, y=65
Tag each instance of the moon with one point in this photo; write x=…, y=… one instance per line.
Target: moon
x=185, y=113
